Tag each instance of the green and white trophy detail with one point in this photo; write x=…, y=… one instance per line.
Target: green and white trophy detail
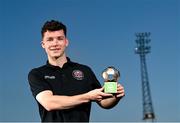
x=110, y=76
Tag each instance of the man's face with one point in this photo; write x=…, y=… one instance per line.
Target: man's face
x=54, y=43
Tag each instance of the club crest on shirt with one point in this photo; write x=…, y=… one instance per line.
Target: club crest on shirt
x=78, y=74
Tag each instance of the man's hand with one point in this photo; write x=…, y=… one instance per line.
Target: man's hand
x=120, y=91
x=110, y=102
x=98, y=94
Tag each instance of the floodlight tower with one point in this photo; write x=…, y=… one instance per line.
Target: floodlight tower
x=142, y=49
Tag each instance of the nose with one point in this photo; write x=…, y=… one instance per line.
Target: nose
x=55, y=41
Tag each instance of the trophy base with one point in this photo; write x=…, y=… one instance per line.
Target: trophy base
x=110, y=87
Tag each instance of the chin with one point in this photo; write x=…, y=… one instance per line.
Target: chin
x=55, y=56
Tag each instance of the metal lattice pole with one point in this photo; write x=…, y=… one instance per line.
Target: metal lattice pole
x=142, y=49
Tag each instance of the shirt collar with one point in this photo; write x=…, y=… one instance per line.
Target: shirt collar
x=68, y=63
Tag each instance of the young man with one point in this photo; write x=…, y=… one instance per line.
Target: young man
x=64, y=89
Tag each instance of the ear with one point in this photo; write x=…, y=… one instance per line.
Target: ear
x=42, y=44
x=67, y=42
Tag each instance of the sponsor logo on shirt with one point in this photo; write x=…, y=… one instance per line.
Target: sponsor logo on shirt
x=78, y=74
x=49, y=77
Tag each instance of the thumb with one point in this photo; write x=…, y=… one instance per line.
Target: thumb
x=101, y=89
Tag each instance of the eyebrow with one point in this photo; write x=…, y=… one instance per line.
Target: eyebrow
x=55, y=37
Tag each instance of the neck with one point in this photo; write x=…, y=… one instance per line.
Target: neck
x=60, y=61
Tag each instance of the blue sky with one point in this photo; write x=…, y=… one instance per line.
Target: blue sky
x=101, y=34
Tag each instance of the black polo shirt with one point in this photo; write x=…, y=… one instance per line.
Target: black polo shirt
x=71, y=79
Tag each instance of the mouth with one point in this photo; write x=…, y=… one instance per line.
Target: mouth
x=55, y=49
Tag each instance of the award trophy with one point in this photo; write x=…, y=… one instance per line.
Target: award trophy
x=111, y=76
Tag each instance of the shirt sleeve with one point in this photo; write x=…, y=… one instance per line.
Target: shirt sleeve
x=37, y=82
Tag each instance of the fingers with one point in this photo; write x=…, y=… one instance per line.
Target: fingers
x=120, y=91
x=101, y=89
x=106, y=94
x=102, y=94
x=98, y=94
x=99, y=98
x=120, y=87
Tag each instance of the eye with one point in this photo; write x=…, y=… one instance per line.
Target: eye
x=49, y=39
x=60, y=38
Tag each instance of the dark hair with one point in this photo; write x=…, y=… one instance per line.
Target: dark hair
x=53, y=26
